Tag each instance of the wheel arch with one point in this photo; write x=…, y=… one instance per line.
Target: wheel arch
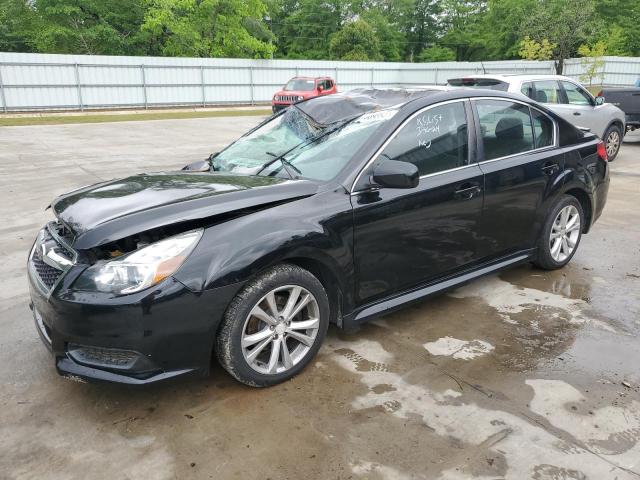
x=585, y=202
x=330, y=281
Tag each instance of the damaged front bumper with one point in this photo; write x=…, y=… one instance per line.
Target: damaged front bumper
x=159, y=333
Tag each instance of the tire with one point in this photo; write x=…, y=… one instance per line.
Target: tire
x=250, y=323
x=549, y=258
x=613, y=141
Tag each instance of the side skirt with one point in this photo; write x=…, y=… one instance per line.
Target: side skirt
x=388, y=305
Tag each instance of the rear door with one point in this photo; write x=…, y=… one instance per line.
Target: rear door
x=521, y=166
x=405, y=237
x=579, y=108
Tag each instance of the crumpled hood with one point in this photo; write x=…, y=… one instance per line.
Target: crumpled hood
x=109, y=211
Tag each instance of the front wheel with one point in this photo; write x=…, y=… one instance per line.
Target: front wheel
x=612, y=142
x=273, y=327
x=561, y=234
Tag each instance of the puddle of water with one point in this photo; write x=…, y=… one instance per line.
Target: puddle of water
x=458, y=349
x=529, y=450
x=509, y=300
x=610, y=430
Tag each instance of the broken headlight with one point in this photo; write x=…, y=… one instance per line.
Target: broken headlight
x=141, y=268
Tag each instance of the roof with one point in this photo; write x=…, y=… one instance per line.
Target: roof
x=303, y=77
x=515, y=76
x=329, y=109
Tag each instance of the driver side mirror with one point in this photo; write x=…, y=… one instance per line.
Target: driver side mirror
x=395, y=174
x=320, y=89
x=200, y=165
x=599, y=100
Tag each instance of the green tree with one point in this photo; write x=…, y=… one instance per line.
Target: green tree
x=532, y=50
x=418, y=19
x=355, y=41
x=565, y=23
x=620, y=26
x=592, y=61
x=390, y=37
x=499, y=28
x=85, y=26
x=461, y=20
x=16, y=20
x=437, y=54
x=303, y=27
x=205, y=28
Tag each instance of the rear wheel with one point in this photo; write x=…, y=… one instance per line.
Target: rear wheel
x=561, y=234
x=273, y=327
x=613, y=141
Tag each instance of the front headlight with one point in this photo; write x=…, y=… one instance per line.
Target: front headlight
x=141, y=268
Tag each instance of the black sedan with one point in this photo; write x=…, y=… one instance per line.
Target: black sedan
x=336, y=210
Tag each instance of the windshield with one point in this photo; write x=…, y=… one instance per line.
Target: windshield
x=300, y=85
x=306, y=151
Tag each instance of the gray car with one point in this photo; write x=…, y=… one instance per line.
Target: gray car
x=565, y=97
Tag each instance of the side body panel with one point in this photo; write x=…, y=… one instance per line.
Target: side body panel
x=318, y=229
x=518, y=191
x=406, y=237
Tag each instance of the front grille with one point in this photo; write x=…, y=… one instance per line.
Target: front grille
x=110, y=357
x=50, y=257
x=288, y=98
x=48, y=275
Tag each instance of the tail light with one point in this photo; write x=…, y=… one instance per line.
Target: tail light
x=602, y=151
x=599, y=94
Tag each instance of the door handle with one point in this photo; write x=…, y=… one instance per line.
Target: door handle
x=467, y=191
x=550, y=168
x=577, y=114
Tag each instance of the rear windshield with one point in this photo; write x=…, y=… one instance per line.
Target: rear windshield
x=488, y=83
x=300, y=85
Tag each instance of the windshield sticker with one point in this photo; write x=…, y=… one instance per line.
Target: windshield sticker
x=377, y=116
x=427, y=124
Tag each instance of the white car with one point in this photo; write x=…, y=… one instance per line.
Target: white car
x=562, y=95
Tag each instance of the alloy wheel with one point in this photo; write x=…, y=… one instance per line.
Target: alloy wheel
x=565, y=233
x=613, y=143
x=280, y=329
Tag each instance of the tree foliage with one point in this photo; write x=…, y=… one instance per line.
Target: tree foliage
x=390, y=30
x=592, y=61
x=206, y=28
x=565, y=24
x=355, y=41
x=532, y=50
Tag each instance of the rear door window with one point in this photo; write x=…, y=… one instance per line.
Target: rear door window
x=576, y=94
x=505, y=128
x=547, y=91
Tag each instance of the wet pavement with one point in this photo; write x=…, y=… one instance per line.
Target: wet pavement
x=527, y=374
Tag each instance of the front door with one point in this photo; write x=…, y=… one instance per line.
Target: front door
x=521, y=166
x=405, y=237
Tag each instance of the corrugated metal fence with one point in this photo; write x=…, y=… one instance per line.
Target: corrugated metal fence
x=79, y=82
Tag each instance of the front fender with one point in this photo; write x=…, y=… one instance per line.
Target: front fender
x=318, y=228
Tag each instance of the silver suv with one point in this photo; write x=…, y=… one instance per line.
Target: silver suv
x=565, y=97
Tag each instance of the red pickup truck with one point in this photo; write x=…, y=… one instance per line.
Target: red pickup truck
x=301, y=88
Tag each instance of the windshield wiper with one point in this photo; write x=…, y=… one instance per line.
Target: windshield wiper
x=287, y=163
